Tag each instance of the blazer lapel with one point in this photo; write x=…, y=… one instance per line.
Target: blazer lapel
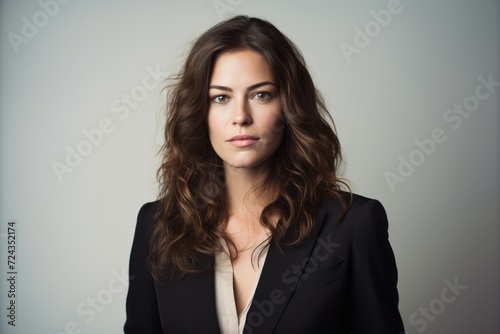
x=281, y=273
x=198, y=299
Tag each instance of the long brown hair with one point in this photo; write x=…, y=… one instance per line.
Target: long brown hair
x=192, y=209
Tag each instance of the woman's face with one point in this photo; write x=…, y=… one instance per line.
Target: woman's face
x=244, y=116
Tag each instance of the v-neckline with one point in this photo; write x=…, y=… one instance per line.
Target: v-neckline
x=229, y=319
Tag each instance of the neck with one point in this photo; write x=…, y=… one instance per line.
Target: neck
x=244, y=196
x=245, y=203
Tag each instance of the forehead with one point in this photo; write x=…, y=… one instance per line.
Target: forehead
x=240, y=66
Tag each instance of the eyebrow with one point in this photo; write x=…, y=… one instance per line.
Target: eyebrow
x=257, y=85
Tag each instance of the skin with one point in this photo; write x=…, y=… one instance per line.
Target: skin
x=244, y=101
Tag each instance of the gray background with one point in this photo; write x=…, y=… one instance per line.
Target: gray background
x=75, y=232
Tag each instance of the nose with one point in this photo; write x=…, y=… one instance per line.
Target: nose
x=241, y=113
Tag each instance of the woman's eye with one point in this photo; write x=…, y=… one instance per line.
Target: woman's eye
x=262, y=96
x=219, y=99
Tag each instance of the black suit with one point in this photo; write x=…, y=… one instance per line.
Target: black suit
x=341, y=279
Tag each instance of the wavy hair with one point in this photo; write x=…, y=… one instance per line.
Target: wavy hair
x=192, y=205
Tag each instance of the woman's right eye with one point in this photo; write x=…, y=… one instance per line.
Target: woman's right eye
x=220, y=99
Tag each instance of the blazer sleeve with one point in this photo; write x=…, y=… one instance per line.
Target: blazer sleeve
x=374, y=296
x=141, y=305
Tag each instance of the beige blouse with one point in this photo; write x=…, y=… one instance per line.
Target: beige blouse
x=229, y=321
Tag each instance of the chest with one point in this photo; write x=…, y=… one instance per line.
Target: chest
x=245, y=276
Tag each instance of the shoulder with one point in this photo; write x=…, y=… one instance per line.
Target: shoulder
x=361, y=240
x=145, y=218
x=364, y=218
x=148, y=210
x=360, y=206
x=366, y=209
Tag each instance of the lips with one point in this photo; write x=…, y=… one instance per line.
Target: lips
x=243, y=140
x=243, y=137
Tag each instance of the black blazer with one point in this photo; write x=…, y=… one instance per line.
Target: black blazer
x=341, y=279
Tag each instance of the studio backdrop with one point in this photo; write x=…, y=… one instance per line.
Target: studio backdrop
x=413, y=87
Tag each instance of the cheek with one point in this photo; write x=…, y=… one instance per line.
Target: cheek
x=277, y=125
x=212, y=130
x=275, y=131
x=212, y=124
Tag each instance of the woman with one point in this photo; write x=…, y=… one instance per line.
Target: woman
x=252, y=232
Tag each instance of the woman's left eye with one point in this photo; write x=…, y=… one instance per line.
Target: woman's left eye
x=262, y=96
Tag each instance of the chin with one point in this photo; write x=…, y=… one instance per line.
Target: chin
x=246, y=164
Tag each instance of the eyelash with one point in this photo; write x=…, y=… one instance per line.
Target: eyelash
x=214, y=98
x=267, y=97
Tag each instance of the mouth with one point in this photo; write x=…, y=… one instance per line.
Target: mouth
x=243, y=137
x=243, y=140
